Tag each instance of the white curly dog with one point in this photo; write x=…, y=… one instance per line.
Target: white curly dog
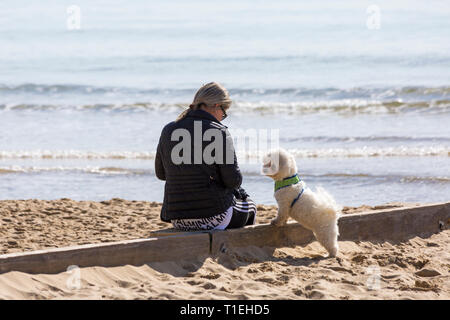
x=316, y=211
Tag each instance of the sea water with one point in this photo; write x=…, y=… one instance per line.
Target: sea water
x=358, y=91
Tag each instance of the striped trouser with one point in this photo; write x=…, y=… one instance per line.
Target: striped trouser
x=244, y=213
x=241, y=213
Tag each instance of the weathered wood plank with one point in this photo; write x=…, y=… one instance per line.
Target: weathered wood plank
x=133, y=252
x=389, y=224
x=171, y=232
x=395, y=224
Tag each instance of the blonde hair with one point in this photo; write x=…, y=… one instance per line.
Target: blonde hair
x=208, y=95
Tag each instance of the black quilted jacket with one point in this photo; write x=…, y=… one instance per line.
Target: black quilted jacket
x=196, y=190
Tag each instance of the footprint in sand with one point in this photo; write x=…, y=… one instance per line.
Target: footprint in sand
x=427, y=273
x=208, y=286
x=315, y=294
x=211, y=276
x=124, y=284
x=270, y=281
x=359, y=258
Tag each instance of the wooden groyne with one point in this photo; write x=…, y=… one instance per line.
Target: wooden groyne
x=165, y=245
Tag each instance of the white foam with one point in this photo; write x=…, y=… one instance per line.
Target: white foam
x=398, y=151
x=75, y=154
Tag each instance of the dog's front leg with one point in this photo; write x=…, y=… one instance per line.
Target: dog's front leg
x=283, y=214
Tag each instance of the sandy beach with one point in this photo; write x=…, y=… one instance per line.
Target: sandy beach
x=414, y=269
x=27, y=225
x=354, y=91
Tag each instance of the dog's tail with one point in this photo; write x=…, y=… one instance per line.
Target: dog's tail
x=328, y=203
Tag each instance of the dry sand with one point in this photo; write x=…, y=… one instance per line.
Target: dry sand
x=414, y=269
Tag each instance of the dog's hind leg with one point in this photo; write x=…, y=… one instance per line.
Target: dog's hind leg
x=327, y=237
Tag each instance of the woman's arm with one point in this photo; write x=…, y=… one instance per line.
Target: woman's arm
x=159, y=167
x=229, y=170
x=231, y=175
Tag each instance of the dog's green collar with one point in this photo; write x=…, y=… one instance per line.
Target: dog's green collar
x=286, y=182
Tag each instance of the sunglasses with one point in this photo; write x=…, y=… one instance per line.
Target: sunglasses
x=224, y=113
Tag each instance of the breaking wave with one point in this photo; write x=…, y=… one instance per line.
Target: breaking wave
x=76, y=154
x=400, y=151
x=260, y=100
x=94, y=170
x=114, y=171
x=365, y=139
x=343, y=107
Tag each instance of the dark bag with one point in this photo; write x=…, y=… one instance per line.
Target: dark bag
x=240, y=194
